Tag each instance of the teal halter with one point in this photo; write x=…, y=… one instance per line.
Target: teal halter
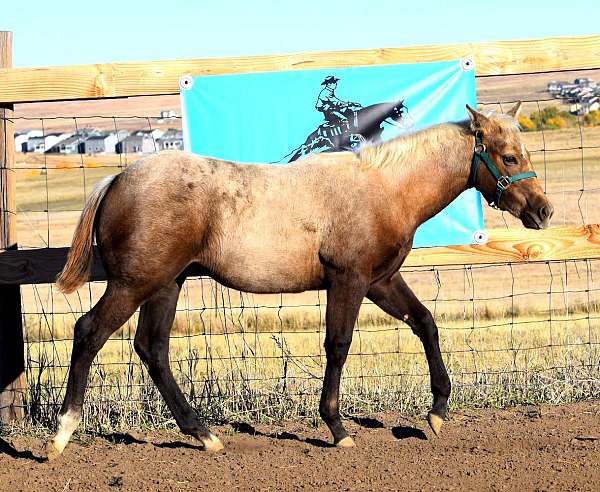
x=502, y=182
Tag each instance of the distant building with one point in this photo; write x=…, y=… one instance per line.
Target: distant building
x=140, y=142
x=554, y=86
x=72, y=144
x=34, y=144
x=21, y=139
x=69, y=145
x=585, y=82
x=102, y=142
x=585, y=106
x=582, y=94
x=172, y=139
x=168, y=115
x=41, y=143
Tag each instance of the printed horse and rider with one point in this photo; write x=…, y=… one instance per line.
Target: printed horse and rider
x=336, y=112
x=347, y=124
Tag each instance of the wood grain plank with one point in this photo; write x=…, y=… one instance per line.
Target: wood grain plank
x=161, y=77
x=516, y=246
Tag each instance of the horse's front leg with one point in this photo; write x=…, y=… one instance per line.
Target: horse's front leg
x=344, y=297
x=395, y=298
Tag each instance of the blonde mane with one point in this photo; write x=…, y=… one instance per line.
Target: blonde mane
x=406, y=149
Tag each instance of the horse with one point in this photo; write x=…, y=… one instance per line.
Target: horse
x=364, y=122
x=343, y=222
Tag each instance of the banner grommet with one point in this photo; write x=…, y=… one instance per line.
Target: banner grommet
x=467, y=64
x=480, y=237
x=186, y=82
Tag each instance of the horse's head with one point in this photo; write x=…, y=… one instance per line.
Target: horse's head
x=501, y=169
x=397, y=111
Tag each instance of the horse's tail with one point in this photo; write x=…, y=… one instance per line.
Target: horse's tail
x=77, y=269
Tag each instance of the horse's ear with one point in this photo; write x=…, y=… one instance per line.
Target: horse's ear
x=478, y=121
x=514, y=111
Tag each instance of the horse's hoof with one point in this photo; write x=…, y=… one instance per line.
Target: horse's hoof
x=346, y=442
x=435, y=422
x=51, y=451
x=211, y=443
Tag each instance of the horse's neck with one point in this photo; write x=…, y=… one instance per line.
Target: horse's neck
x=380, y=109
x=429, y=169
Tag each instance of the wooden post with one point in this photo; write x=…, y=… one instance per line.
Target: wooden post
x=12, y=361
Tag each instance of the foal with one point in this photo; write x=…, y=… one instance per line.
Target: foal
x=343, y=222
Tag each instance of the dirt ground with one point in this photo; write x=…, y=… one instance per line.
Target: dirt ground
x=525, y=448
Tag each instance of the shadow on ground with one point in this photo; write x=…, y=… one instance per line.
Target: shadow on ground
x=9, y=449
x=403, y=432
x=245, y=428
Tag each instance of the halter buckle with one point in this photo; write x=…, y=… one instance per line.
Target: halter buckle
x=503, y=183
x=480, y=148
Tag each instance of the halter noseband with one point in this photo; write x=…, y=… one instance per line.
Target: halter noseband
x=502, y=182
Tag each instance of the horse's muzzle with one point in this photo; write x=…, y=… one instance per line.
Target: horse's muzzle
x=538, y=219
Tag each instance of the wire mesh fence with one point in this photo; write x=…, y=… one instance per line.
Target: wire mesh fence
x=510, y=333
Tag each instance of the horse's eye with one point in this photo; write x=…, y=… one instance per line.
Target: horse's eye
x=509, y=160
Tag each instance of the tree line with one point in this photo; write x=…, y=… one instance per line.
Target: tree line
x=553, y=118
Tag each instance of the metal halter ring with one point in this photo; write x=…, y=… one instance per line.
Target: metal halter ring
x=503, y=183
x=480, y=148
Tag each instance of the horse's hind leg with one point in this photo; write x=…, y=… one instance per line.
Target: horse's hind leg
x=152, y=345
x=91, y=332
x=395, y=298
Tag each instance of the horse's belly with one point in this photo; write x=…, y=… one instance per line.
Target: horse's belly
x=269, y=264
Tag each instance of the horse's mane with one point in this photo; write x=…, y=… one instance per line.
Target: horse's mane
x=405, y=149
x=504, y=120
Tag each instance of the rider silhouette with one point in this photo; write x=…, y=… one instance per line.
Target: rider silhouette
x=334, y=109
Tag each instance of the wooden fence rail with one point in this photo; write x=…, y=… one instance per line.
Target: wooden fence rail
x=26, y=85
x=162, y=77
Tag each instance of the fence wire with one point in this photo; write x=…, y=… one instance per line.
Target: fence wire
x=510, y=333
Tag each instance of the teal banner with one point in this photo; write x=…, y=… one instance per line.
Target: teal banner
x=280, y=117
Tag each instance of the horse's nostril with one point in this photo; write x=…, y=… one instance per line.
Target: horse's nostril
x=545, y=212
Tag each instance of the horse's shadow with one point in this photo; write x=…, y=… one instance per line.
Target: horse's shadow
x=400, y=432
x=177, y=445
x=128, y=439
x=245, y=428
x=368, y=422
x=404, y=432
x=122, y=438
x=9, y=449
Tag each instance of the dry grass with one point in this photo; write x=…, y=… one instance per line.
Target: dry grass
x=274, y=375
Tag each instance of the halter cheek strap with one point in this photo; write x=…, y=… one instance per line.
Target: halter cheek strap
x=502, y=182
